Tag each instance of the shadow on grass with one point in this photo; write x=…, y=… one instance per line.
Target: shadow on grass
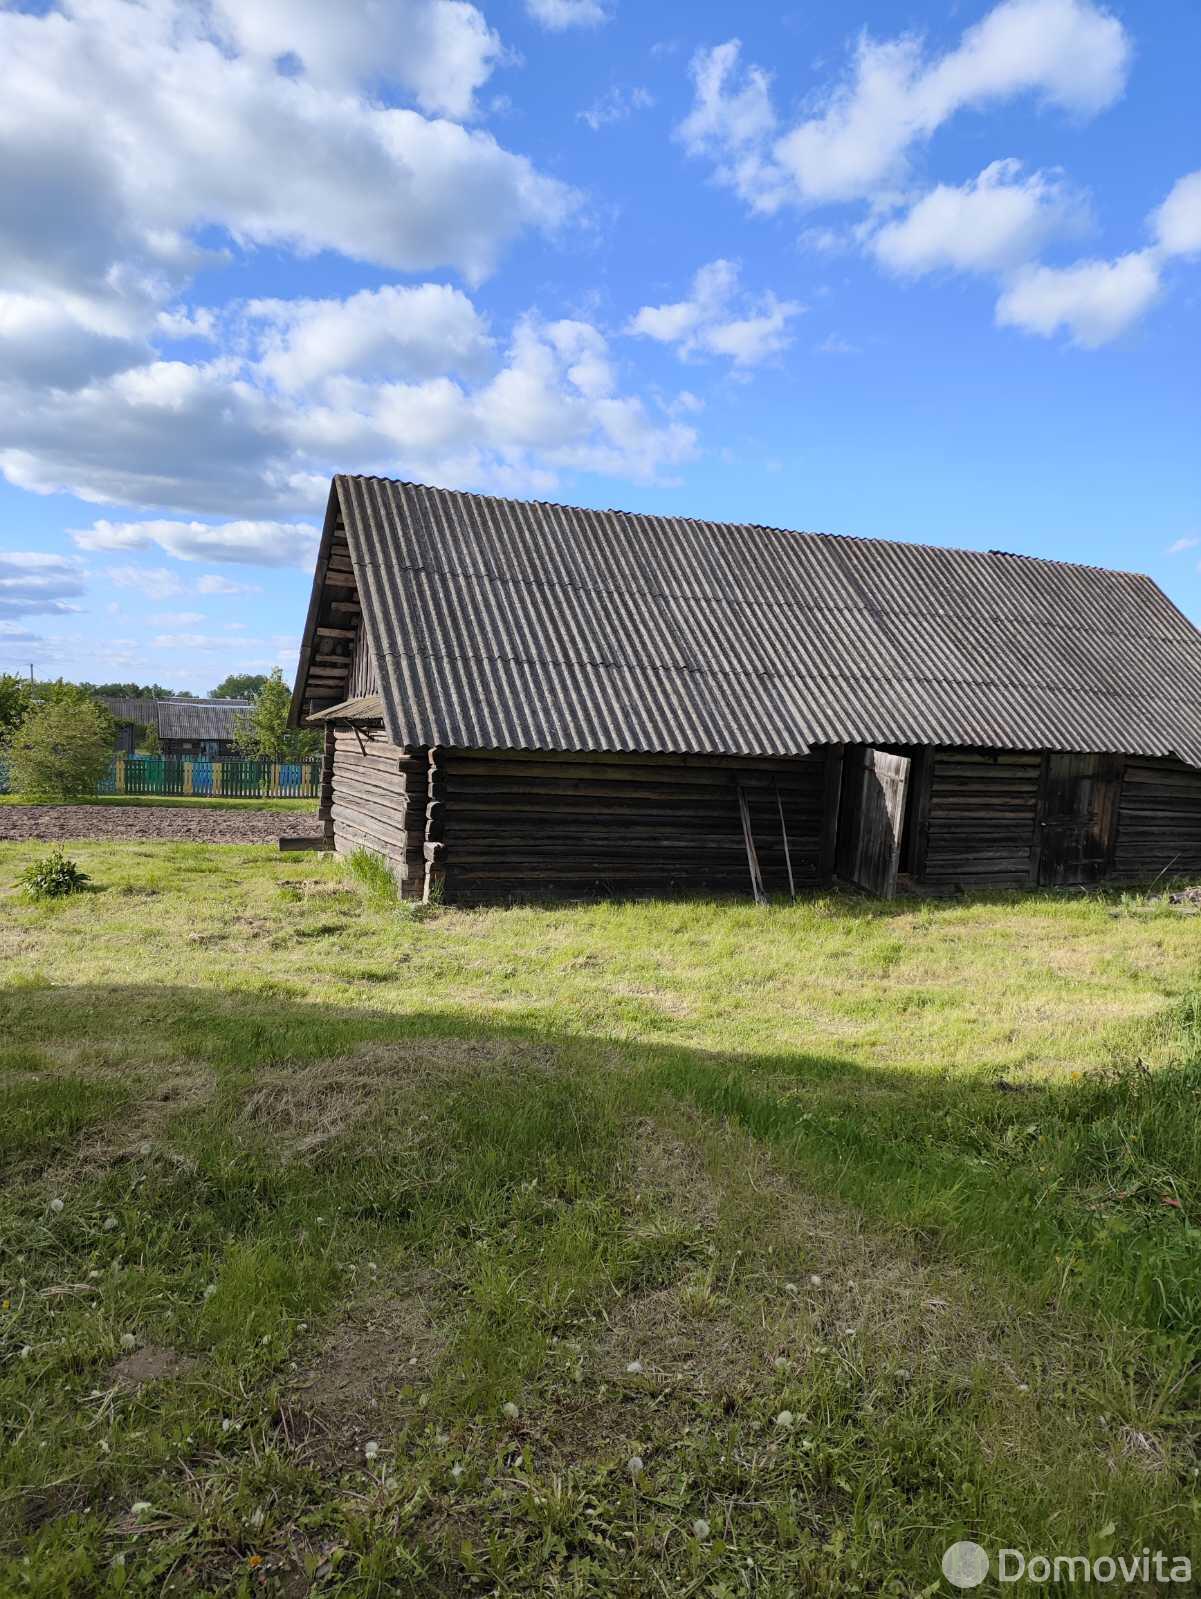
x=1085, y=1191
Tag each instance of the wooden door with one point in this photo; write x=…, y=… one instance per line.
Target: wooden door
x=877, y=787
x=1078, y=824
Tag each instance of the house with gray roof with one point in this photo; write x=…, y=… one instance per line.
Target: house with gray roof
x=523, y=698
x=205, y=729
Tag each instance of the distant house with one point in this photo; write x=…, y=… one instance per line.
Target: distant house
x=524, y=699
x=205, y=729
x=133, y=717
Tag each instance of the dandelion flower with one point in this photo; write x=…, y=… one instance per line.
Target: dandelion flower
x=634, y=1367
x=456, y=1471
x=781, y=1363
x=784, y=1419
x=56, y=1205
x=700, y=1528
x=110, y=1224
x=128, y=1341
x=815, y=1281
x=635, y=1466
x=510, y=1410
x=26, y=1351
x=210, y=1290
x=790, y=1288
x=371, y=1449
x=140, y=1507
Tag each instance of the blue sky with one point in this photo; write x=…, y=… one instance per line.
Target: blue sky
x=926, y=271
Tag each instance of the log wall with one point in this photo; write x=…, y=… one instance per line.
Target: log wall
x=475, y=826
x=517, y=826
x=979, y=821
x=1159, y=820
x=378, y=801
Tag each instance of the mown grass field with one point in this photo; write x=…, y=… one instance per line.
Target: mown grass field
x=857, y=1228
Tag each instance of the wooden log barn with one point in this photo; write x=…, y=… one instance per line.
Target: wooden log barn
x=524, y=699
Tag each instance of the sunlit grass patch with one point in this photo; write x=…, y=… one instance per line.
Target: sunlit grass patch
x=385, y=1243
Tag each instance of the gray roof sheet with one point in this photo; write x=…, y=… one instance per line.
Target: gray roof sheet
x=505, y=624
x=364, y=708
x=212, y=719
x=123, y=709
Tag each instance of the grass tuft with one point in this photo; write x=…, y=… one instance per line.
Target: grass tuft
x=374, y=876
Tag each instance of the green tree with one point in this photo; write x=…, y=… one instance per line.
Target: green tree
x=148, y=741
x=263, y=731
x=63, y=747
x=131, y=691
x=240, y=686
x=15, y=700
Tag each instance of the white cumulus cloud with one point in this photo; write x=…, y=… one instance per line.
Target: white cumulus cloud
x=710, y=322
x=1070, y=54
x=1093, y=301
x=996, y=221
x=412, y=331
x=125, y=128
x=249, y=543
x=442, y=51
x=1096, y=301
x=1177, y=222
x=558, y=15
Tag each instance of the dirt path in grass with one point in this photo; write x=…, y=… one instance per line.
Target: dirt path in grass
x=173, y=824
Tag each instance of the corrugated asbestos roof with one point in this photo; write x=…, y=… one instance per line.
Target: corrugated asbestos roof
x=512, y=625
x=213, y=719
x=366, y=708
x=143, y=712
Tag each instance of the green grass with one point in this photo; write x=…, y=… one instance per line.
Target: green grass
x=216, y=803
x=286, y=1170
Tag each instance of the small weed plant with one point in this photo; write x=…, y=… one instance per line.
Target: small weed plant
x=52, y=877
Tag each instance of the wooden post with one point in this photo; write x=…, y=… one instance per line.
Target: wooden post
x=922, y=781
x=435, y=824
x=1040, y=811
x=784, y=836
x=831, y=803
x=325, y=808
x=752, y=858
